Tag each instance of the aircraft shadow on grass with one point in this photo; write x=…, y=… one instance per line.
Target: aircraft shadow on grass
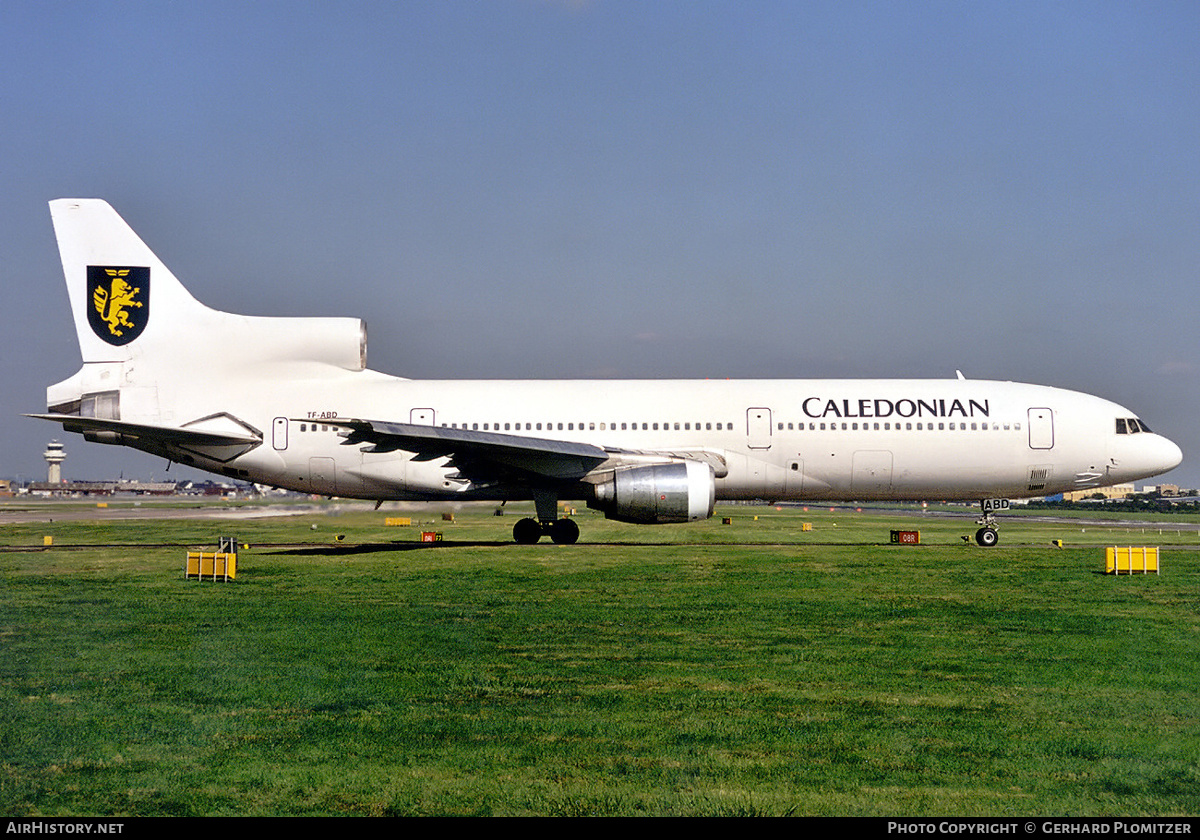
x=374, y=548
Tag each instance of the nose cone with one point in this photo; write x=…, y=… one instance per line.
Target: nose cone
x=1158, y=455
x=1172, y=455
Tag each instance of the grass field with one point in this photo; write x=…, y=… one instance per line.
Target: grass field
x=706, y=669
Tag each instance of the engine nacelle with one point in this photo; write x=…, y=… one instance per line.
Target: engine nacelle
x=682, y=491
x=341, y=342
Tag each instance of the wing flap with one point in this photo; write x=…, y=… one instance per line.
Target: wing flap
x=479, y=456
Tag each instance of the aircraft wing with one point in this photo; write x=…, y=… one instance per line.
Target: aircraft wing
x=482, y=457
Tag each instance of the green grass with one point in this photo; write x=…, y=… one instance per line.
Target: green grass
x=696, y=670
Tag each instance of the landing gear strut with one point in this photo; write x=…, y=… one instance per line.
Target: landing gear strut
x=562, y=531
x=987, y=536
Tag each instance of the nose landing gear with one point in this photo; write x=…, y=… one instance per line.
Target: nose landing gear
x=987, y=536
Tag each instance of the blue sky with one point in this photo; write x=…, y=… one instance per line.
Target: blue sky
x=525, y=189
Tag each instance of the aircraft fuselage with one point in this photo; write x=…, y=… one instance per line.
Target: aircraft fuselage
x=290, y=402
x=778, y=439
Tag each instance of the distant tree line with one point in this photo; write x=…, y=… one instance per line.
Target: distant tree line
x=1150, y=503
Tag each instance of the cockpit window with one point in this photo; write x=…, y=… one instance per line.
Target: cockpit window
x=1130, y=426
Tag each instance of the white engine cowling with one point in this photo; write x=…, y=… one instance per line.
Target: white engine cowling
x=682, y=491
x=341, y=342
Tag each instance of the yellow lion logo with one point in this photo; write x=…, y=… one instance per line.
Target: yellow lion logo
x=112, y=302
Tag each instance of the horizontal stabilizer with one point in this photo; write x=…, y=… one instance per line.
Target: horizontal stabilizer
x=163, y=435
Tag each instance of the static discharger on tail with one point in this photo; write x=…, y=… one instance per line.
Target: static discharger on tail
x=290, y=402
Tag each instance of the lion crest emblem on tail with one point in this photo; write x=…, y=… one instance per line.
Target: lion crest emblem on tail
x=119, y=299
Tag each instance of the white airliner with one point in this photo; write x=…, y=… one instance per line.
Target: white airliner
x=289, y=402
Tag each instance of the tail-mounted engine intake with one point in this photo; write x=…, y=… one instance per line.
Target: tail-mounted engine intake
x=682, y=491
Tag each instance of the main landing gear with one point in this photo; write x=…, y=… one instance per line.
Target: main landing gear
x=562, y=531
x=988, y=536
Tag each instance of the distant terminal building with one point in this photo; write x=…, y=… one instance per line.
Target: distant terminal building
x=137, y=488
x=102, y=488
x=54, y=455
x=1117, y=491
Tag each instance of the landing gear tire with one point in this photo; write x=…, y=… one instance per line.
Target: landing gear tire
x=564, y=532
x=527, y=531
x=987, y=537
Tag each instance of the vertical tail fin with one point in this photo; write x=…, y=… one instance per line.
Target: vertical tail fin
x=129, y=306
x=122, y=296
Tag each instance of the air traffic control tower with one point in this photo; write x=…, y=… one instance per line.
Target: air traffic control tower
x=54, y=456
